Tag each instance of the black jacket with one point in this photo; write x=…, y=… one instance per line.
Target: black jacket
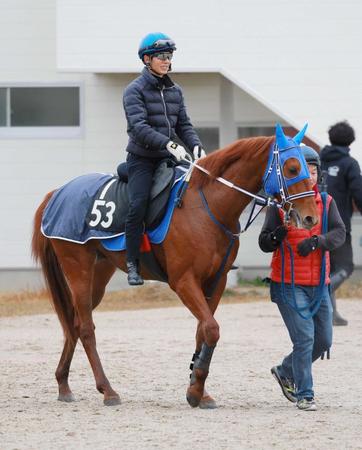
x=344, y=180
x=156, y=114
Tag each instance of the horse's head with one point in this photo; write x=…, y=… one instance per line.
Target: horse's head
x=287, y=179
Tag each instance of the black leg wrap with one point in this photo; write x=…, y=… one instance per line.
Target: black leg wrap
x=194, y=356
x=201, y=361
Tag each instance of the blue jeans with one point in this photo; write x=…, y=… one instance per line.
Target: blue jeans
x=310, y=338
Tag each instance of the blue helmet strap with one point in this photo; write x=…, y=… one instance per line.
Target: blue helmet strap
x=274, y=181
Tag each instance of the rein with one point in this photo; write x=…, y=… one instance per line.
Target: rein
x=263, y=201
x=266, y=201
x=314, y=305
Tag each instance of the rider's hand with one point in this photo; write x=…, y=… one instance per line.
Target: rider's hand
x=307, y=246
x=279, y=234
x=176, y=150
x=198, y=152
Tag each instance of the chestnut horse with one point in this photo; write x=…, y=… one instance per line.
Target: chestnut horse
x=191, y=255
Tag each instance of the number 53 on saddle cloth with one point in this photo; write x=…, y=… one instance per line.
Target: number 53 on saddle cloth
x=94, y=206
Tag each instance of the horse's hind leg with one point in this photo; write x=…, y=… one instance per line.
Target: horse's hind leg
x=103, y=273
x=62, y=372
x=79, y=272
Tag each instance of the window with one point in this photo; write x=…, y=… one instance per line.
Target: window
x=40, y=111
x=2, y=107
x=254, y=131
x=209, y=137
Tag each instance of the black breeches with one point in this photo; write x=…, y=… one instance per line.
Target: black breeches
x=342, y=257
x=140, y=177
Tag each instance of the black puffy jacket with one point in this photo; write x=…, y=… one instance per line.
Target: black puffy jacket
x=344, y=180
x=156, y=114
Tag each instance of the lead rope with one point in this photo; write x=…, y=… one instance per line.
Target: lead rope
x=317, y=297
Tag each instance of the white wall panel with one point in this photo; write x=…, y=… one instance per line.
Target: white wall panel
x=281, y=53
x=293, y=55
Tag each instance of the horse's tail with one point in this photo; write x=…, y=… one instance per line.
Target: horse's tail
x=43, y=252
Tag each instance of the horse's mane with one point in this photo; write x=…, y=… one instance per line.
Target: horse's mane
x=217, y=162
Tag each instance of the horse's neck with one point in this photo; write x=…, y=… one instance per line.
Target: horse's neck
x=228, y=203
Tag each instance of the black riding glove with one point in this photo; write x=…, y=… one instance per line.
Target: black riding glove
x=307, y=246
x=278, y=235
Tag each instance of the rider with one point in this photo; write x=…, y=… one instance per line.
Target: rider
x=156, y=117
x=311, y=336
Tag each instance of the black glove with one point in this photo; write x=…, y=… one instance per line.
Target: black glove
x=307, y=246
x=279, y=234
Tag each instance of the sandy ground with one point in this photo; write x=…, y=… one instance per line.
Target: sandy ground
x=146, y=355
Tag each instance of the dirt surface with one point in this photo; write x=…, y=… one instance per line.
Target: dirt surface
x=146, y=354
x=151, y=295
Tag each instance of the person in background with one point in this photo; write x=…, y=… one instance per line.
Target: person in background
x=304, y=304
x=156, y=117
x=344, y=184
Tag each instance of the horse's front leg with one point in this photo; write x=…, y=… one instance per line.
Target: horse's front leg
x=207, y=402
x=191, y=294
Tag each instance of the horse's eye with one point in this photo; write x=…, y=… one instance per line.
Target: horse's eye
x=291, y=168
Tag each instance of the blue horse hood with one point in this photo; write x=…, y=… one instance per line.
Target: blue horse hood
x=270, y=179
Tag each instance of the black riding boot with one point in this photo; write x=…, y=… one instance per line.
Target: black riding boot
x=337, y=278
x=338, y=320
x=134, y=278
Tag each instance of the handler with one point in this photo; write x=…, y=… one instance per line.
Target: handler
x=304, y=303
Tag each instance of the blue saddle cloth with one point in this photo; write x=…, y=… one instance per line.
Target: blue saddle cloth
x=64, y=215
x=155, y=236
x=73, y=212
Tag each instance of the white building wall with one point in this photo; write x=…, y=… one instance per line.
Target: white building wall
x=32, y=167
x=302, y=58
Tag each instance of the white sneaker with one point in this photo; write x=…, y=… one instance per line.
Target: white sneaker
x=307, y=404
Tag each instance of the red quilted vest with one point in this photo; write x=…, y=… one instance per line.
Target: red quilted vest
x=306, y=268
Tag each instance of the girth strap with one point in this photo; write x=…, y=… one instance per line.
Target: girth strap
x=232, y=236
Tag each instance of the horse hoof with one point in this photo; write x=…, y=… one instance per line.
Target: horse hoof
x=192, y=397
x=66, y=398
x=207, y=402
x=192, y=400
x=112, y=401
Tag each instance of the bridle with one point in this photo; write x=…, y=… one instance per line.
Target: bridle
x=286, y=202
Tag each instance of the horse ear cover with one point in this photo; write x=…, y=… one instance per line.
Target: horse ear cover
x=281, y=139
x=300, y=135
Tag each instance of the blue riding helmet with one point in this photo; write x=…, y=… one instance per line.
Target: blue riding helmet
x=155, y=43
x=310, y=155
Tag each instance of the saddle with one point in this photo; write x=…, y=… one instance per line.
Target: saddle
x=110, y=205
x=94, y=206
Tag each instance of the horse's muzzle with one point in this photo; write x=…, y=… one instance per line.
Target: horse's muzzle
x=309, y=222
